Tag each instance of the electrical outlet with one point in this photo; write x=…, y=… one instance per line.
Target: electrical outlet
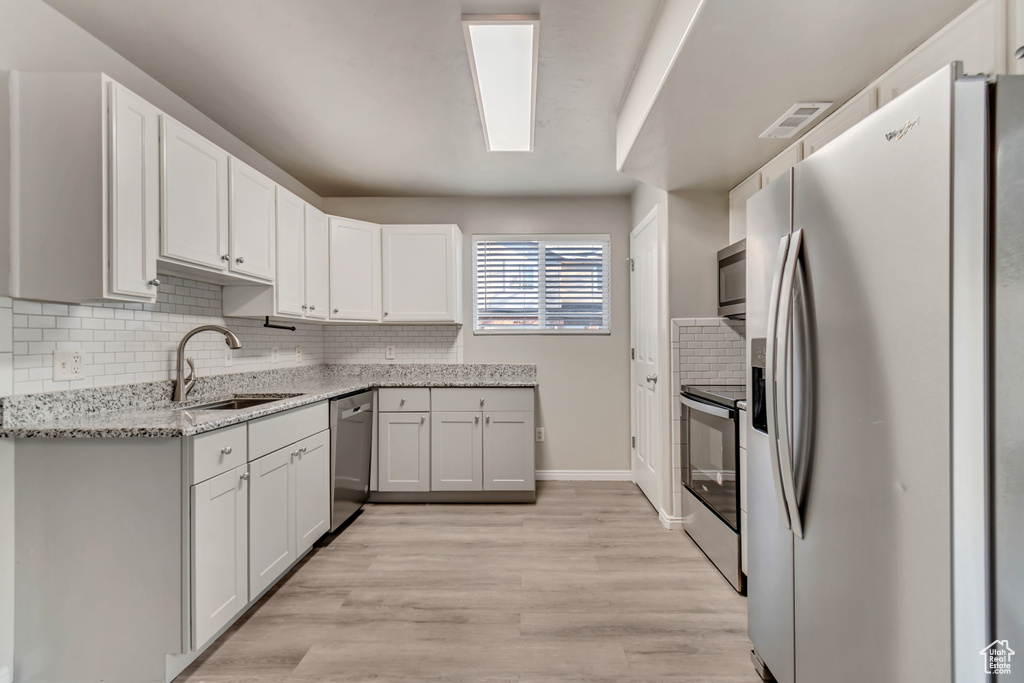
x=389, y=352
x=229, y=358
x=275, y=354
x=298, y=354
x=68, y=365
x=540, y=434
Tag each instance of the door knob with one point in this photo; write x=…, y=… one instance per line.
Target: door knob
x=652, y=378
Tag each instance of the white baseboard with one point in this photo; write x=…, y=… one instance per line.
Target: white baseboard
x=674, y=523
x=584, y=475
x=5, y=675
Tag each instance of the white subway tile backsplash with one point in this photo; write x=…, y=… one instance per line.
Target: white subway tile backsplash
x=129, y=342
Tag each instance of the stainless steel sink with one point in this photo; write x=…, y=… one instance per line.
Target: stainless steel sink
x=240, y=402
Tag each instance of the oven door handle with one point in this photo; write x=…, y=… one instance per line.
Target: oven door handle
x=717, y=411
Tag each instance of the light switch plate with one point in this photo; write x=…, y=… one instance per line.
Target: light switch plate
x=68, y=365
x=389, y=352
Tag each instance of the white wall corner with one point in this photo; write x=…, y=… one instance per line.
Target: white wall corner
x=669, y=521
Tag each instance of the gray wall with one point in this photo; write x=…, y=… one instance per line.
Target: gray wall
x=698, y=226
x=584, y=379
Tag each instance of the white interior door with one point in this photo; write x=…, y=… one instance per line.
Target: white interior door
x=645, y=416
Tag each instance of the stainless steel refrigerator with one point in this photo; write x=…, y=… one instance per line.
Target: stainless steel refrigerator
x=882, y=289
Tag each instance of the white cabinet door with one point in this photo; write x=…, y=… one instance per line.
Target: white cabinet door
x=290, y=285
x=133, y=239
x=312, y=490
x=738, y=206
x=508, y=452
x=317, y=264
x=838, y=122
x=403, y=452
x=219, y=552
x=195, y=198
x=252, y=220
x=456, y=452
x=355, y=270
x=977, y=38
x=777, y=167
x=271, y=519
x=421, y=268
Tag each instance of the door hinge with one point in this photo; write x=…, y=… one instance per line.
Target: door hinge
x=632, y=354
x=634, y=441
x=631, y=267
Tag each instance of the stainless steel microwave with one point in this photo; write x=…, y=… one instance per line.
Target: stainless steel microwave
x=732, y=280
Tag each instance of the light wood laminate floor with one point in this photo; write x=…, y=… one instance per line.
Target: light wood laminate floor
x=586, y=585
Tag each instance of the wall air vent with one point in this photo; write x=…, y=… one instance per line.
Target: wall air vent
x=799, y=116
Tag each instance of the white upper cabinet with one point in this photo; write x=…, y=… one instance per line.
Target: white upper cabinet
x=738, y=206
x=421, y=266
x=195, y=198
x=977, y=38
x=291, y=254
x=134, y=194
x=1014, y=36
x=317, y=264
x=777, y=167
x=252, y=206
x=85, y=178
x=842, y=119
x=355, y=270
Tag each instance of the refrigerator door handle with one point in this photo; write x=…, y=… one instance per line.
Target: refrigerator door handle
x=771, y=360
x=783, y=398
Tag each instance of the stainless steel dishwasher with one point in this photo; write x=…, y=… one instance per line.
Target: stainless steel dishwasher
x=351, y=445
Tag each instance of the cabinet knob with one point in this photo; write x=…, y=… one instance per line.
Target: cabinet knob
x=240, y=259
x=401, y=402
x=422, y=419
x=305, y=307
x=487, y=419
x=154, y=282
x=481, y=401
x=385, y=314
x=336, y=310
x=476, y=418
x=313, y=307
x=225, y=257
x=294, y=454
x=302, y=450
x=244, y=476
x=226, y=450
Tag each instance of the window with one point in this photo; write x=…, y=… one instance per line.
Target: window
x=541, y=284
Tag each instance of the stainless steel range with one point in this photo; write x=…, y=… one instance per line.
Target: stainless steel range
x=710, y=473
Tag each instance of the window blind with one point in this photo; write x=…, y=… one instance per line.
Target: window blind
x=549, y=284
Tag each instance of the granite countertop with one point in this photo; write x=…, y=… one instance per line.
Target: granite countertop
x=144, y=410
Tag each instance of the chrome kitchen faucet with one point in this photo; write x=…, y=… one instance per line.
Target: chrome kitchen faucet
x=183, y=385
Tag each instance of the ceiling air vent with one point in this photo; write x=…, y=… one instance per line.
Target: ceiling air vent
x=796, y=119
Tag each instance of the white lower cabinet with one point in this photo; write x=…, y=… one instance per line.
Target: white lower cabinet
x=271, y=510
x=220, y=525
x=404, y=452
x=289, y=507
x=457, y=450
x=508, y=451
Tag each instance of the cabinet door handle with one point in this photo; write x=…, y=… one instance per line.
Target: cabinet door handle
x=240, y=259
x=423, y=419
x=385, y=314
x=481, y=401
x=305, y=307
x=336, y=310
x=302, y=450
x=225, y=257
x=294, y=454
x=154, y=282
x=488, y=419
x=244, y=476
x=476, y=418
x=401, y=402
x=313, y=307
x=226, y=450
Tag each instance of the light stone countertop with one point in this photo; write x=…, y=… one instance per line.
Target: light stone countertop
x=145, y=411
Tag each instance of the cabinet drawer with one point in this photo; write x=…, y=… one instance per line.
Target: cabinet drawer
x=403, y=400
x=267, y=434
x=217, y=451
x=469, y=400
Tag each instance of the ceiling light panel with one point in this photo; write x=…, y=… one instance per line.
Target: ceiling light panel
x=503, y=59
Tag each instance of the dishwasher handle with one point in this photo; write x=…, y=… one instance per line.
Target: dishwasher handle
x=717, y=411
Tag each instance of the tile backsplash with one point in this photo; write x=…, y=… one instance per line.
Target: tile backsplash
x=124, y=343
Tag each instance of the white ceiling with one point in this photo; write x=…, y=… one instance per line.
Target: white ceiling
x=375, y=98
x=744, y=63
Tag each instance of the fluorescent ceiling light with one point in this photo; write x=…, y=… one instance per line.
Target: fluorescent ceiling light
x=503, y=58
